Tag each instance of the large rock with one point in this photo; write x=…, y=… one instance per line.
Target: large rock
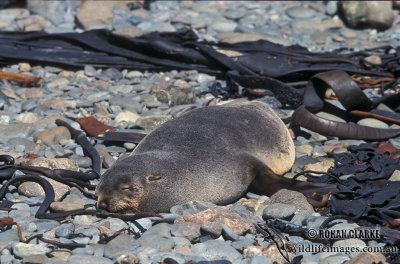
x=374, y=14
x=233, y=220
x=103, y=10
x=52, y=135
x=294, y=198
x=34, y=189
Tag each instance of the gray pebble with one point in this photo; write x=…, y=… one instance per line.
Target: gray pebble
x=298, y=219
x=88, y=250
x=191, y=207
x=84, y=259
x=9, y=235
x=242, y=242
x=84, y=162
x=7, y=259
x=22, y=250
x=34, y=259
x=216, y=249
x=279, y=210
x=300, y=12
x=129, y=146
x=314, y=222
x=229, y=234
x=90, y=71
x=81, y=240
x=45, y=225
x=260, y=260
x=331, y=8
x=188, y=230
x=212, y=228
x=65, y=230
x=156, y=241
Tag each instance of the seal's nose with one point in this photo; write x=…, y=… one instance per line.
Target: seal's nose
x=101, y=204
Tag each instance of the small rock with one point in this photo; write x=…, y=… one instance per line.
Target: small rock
x=35, y=23
x=52, y=135
x=22, y=250
x=111, y=74
x=305, y=148
x=330, y=117
x=90, y=71
x=252, y=251
x=148, y=26
x=331, y=8
x=128, y=31
x=395, y=176
x=34, y=189
x=367, y=258
x=322, y=166
x=24, y=67
x=80, y=259
x=371, y=122
x=300, y=12
x=330, y=147
x=235, y=37
x=191, y=207
x=295, y=198
x=65, y=230
x=35, y=259
x=174, y=93
x=351, y=242
x=60, y=255
x=374, y=59
x=279, y=210
x=88, y=250
x=44, y=225
x=9, y=235
x=320, y=36
x=27, y=117
x=68, y=204
x=120, y=245
x=187, y=230
x=104, y=14
x=216, y=250
x=374, y=14
x=32, y=93
x=314, y=222
x=57, y=82
x=126, y=116
x=229, y=234
x=274, y=255
x=223, y=26
x=260, y=260
x=212, y=228
x=127, y=258
x=158, y=242
x=151, y=122
x=231, y=219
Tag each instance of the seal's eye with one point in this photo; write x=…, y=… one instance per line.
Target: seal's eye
x=153, y=177
x=128, y=188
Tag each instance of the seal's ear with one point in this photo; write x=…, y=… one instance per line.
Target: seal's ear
x=153, y=177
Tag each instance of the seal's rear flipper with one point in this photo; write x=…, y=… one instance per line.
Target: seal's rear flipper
x=268, y=183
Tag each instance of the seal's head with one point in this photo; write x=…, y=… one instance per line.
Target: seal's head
x=134, y=184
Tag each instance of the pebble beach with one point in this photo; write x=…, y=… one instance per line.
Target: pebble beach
x=127, y=100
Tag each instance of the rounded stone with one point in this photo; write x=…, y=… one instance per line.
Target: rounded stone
x=300, y=12
x=372, y=122
x=279, y=210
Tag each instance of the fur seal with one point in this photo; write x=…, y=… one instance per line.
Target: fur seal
x=213, y=154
